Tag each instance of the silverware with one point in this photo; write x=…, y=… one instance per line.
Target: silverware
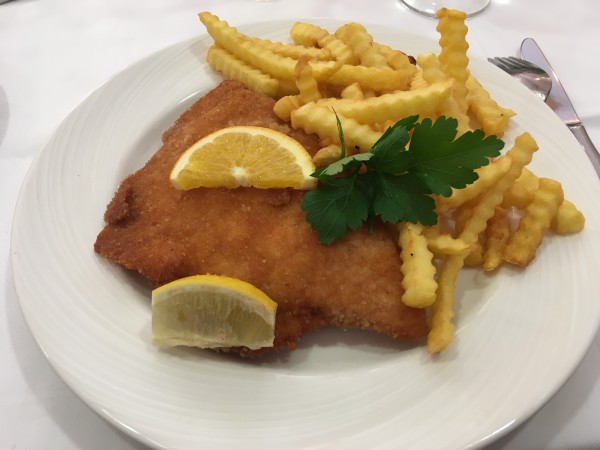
x=559, y=101
x=536, y=79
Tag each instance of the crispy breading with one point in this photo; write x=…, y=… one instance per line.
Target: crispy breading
x=259, y=236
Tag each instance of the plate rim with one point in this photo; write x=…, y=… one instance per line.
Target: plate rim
x=61, y=371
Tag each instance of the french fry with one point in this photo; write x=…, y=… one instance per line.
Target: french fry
x=461, y=215
x=432, y=68
x=313, y=118
x=380, y=80
x=308, y=90
x=517, y=196
x=360, y=41
x=529, y=179
x=568, y=219
x=236, y=69
x=255, y=54
x=417, y=268
x=523, y=244
x=305, y=81
x=245, y=49
x=418, y=82
x=397, y=59
x=520, y=155
x=492, y=117
x=442, y=311
x=440, y=334
x=488, y=175
x=393, y=106
x=286, y=87
x=381, y=127
x=307, y=34
x=433, y=231
x=294, y=51
x=434, y=73
x=330, y=90
x=369, y=93
x=497, y=235
x=453, y=54
x=311, y=35
x=285, y=105
x=328, y=155
x=353, y=92
x=444, y=245
x=520, y=194
x=475, y=257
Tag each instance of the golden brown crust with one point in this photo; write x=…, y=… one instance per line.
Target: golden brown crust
x=260, y=236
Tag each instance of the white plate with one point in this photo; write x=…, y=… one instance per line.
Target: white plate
x=520, y=333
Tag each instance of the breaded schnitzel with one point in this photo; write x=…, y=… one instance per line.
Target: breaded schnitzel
x=259, y=236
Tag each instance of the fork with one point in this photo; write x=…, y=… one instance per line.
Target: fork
x=532, y=76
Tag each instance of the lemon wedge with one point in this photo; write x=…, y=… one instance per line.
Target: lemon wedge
x=245, y=156
x=210, y=311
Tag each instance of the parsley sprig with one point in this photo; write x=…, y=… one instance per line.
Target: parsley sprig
x=395, y=183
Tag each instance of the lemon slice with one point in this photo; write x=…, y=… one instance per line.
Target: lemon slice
x=211, y=311
x=245, y=156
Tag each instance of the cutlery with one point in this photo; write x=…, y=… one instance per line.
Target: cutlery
x=536, y=79
x=559, y=101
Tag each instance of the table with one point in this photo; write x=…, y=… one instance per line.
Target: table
x=55, y=52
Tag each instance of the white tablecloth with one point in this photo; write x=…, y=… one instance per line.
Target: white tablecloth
x=55, y=52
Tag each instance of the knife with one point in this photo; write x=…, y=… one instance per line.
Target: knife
x=559, y=101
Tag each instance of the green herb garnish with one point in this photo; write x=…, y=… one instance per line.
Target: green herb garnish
x=396, y=183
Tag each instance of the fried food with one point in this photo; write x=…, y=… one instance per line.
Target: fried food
x=493, y=117
x=433, y=72
x=453, y=54
x=393, y=106
x=311, y=35
x=263, y=237
x=523, y=244
x=496, y=237
x=568, y=219
x=360, y=41
x=442, y=327
x=308, y=90
x=521, y=192
x=319, y=120
x=487, y=176
x=234, y=68
x=417, y=267
x=258, y=236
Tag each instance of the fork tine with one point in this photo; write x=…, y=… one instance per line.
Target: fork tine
x=506, y=61
x=494, y=61
x=532, y=76
x=521, y=63
x=501, y=63
x=514, y=65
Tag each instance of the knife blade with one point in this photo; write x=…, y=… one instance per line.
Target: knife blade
x=559, y=101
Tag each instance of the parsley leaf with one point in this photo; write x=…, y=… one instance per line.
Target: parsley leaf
x=341, y=134
x=403, y=198
x=334, y=207
x=389, y=151
x=396, y=135
x=396, y=184
x=443, y=163
x=347, y=163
